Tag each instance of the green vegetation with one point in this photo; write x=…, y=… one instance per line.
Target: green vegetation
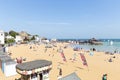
x=33, y=38
x=8, y=41
x=36, y=35
x=13, y=33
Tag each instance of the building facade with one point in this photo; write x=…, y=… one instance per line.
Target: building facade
x=2, y=37
x=18, y=39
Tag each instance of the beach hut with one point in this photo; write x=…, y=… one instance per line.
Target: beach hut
x=3, y=57
x=34, y=70
x=72, y=76
x=7, y=65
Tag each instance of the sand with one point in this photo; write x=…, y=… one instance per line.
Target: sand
x=97, y=64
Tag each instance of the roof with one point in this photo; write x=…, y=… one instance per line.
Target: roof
x=33, y=64
x=6, y=59
x=10, y=62
x=72, y=76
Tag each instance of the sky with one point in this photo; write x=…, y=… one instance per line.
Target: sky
x=62, y=18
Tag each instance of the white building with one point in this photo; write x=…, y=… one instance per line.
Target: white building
x=9, y=37
x=37, y=38
x=18, y=39
x=7, y=65
x=2, y=37
x=9, y=68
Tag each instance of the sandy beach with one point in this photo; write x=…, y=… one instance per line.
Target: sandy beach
x=97, y=64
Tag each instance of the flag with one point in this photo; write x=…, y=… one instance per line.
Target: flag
x=63, y=56
x=83, y=59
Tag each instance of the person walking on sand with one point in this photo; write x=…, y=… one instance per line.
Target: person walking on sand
x=104, y=77
x=60, y=72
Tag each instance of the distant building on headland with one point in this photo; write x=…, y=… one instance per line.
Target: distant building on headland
x=2, y=37
x=24, y=35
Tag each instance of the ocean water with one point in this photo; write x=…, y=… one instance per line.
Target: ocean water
x=109, y=45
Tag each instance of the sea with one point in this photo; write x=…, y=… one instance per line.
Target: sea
x=109, y=45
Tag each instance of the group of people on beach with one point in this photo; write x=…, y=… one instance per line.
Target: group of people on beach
x=60, y=50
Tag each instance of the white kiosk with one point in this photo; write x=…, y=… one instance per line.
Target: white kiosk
x=34, y=70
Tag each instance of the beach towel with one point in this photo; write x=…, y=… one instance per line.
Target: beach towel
x=83, y=59
x=63, y=56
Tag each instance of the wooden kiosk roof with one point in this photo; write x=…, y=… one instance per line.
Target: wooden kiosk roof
x=33, y=65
